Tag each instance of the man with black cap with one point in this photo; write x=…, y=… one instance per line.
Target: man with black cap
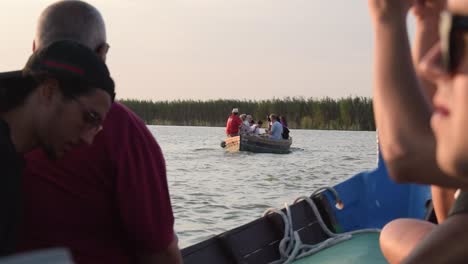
x=56, y=102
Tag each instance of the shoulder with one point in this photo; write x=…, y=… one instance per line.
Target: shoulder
x=124, y=132
x=120, y=117
x=122, y=125
x=120, y=111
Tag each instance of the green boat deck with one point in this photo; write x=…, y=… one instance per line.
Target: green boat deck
x=361, y=249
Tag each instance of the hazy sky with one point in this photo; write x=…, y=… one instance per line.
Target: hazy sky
x=209, y=49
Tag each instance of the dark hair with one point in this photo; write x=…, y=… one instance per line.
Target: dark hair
x=260, y=122
x=283, y=121
x=14, y=96
x=72, y=88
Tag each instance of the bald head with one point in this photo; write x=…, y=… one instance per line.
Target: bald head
x=72, y=20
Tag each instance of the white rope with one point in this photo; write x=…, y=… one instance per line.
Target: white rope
x=291, y=246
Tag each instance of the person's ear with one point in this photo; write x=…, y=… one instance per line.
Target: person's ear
x=102, y=50
x=34, y=46
x=47, y=90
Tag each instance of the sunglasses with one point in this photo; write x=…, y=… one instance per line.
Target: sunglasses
x=451, y=30
x=91, y=117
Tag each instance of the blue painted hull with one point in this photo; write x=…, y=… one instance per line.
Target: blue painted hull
x=372, y=199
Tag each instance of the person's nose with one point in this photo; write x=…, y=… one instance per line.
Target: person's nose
x=88, y=135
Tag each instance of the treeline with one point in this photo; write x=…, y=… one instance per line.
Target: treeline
x=351, y=113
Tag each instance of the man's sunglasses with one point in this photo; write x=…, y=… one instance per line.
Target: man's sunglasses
x=91, y=117
x=451, y=29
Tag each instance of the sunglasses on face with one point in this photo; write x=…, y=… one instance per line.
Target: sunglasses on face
x=451, y=29
x=91, y=117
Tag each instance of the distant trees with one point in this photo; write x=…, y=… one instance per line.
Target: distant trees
x=351, y=113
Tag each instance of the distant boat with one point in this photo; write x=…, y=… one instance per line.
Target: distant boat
x=335, y=226
x=257, y=144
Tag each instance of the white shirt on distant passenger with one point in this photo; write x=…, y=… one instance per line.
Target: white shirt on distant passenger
x=254, y=129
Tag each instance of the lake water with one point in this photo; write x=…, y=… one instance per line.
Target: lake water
x=213, y=191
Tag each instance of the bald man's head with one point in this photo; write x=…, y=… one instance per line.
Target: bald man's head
x=72, y=20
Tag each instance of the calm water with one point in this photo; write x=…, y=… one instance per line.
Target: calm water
x=213, y=191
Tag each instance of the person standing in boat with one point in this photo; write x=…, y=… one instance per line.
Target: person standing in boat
x=276, y=128
x=233, y=123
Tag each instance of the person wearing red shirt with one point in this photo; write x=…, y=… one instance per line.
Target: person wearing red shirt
x=233, y=123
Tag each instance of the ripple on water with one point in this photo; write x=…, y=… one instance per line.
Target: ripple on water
x=213, y=191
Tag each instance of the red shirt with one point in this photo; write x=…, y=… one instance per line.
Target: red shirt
x=233, y=124
x=107, y=202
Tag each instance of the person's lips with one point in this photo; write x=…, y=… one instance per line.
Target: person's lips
x=441, y=110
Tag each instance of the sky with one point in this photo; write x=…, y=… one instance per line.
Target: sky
x=219, y=49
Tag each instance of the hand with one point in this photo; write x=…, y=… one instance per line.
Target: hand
x=389, y=9
x=425, y=10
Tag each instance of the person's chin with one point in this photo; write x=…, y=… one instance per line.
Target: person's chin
x=449, y=162
x=460, y=164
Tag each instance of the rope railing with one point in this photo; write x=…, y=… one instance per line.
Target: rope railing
x=291, y=246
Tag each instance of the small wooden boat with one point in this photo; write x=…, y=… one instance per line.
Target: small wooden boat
x=258, y=144
x=339, y=225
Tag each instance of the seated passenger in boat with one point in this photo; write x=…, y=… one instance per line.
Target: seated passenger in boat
x=244, y=127
x=269, y=123
x=412, y=150
x=243, y=117
x=255, y=128
x=284, y=123
x=249, y=119
x=276, y=128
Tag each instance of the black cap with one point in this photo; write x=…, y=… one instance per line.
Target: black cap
x=64, y=60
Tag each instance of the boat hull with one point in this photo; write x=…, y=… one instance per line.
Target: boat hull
x=257, y=144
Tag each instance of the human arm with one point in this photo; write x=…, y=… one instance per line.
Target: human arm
x=442, y=200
